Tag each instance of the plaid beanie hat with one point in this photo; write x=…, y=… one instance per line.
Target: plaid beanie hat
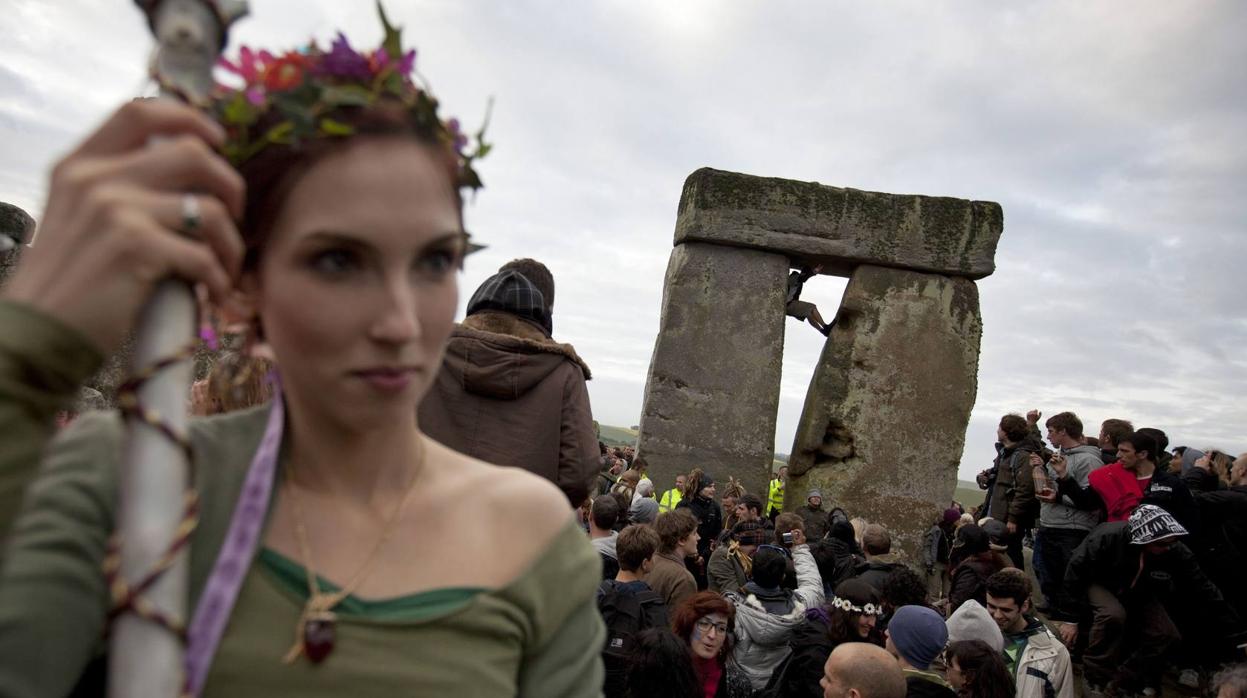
x=1150, y=523
x=511, y=292
x=749, y=533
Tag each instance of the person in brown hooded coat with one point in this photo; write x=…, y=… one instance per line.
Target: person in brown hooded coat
x=507, y=393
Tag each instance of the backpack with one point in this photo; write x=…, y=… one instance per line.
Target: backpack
x=625, y=614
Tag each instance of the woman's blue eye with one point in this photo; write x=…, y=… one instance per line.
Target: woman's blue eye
x=439, y=261
x=334, y=261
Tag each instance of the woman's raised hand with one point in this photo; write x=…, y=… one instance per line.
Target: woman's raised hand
x=118, y=220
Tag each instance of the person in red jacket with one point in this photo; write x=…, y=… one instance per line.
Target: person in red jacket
x=1119, y=488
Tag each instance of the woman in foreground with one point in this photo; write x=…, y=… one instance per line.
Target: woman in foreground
x=385, y=564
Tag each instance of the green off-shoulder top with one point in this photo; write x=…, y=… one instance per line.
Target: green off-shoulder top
x=539, y=636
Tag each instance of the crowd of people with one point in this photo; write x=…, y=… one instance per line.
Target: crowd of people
x=1114, y=554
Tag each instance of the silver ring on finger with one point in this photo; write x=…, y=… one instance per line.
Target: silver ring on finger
x=191, y=218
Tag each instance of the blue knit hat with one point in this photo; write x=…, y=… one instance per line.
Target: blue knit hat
x=919, y=635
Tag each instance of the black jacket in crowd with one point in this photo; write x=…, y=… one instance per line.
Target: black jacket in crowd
x=1109, y=559
x=710, y=518
x=969, y=578
x=837, y=555
x=1223, y=515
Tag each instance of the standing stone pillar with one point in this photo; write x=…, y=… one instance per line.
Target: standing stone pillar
x=715, y=371
x=885, y=417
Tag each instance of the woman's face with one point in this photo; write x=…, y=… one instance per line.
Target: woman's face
x=356, y=289
x=956, y=679
x=865, y=624
x=707, y=491
x=709, y=634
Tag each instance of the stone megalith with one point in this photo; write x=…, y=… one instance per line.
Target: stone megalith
x=716, y=365
x=885, y=417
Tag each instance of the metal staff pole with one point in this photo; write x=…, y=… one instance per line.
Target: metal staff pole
x=158, y=510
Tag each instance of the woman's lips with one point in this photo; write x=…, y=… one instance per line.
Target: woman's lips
x=388, y=380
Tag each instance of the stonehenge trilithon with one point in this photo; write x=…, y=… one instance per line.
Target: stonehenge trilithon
x=885, y=418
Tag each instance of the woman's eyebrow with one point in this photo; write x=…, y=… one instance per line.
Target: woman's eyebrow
x=335, y=236
x=446, y=237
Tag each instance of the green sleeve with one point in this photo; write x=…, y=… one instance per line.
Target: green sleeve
x=42, y=364
x=53, y=598
x=566, y=655
x=54, y=515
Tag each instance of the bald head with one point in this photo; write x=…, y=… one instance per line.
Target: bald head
x=861, y=670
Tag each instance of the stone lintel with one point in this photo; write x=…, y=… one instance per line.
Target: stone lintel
x=812, y=223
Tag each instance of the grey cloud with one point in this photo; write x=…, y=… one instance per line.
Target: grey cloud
x=1110, y=132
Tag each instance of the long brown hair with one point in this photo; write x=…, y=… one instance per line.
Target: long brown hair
x=983, y=668
x=693, y=484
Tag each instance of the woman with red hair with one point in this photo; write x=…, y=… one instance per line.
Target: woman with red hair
x=705, y=621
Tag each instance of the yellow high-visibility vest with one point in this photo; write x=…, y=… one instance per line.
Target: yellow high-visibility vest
x=775, y=500
x=670, y=499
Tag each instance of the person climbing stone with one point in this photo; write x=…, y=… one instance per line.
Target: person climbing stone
x=803, y=310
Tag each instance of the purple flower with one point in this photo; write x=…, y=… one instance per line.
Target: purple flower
x=255, y=95
x=344, y=61
x=461, y=141
x=208, y=335
x=408, y=63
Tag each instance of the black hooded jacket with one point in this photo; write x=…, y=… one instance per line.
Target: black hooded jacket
x=710, y=521
x=837, y=555
x=1107, y=558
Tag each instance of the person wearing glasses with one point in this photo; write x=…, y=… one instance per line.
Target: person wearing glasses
x=706, y=622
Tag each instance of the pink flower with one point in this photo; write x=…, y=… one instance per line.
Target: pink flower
x=247, y=68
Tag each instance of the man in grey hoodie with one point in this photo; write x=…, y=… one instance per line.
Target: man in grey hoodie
x=1062, y=525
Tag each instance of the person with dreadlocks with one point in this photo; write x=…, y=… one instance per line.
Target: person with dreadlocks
x=330, y=554
x=700, y=502
x=727, y=503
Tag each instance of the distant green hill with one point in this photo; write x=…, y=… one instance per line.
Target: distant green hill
x=617, y=436
x=968, y=494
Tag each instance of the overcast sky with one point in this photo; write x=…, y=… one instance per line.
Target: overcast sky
x=1114, y=134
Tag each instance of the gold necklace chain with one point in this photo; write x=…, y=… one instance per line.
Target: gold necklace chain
x=319, y=607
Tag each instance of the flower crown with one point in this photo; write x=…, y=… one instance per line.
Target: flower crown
x=303, y=89
x=844, y=604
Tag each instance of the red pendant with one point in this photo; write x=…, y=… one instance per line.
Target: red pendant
x=318, y=638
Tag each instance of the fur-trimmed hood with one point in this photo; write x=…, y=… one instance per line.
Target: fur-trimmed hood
x=767, y=628
x=501, y=356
